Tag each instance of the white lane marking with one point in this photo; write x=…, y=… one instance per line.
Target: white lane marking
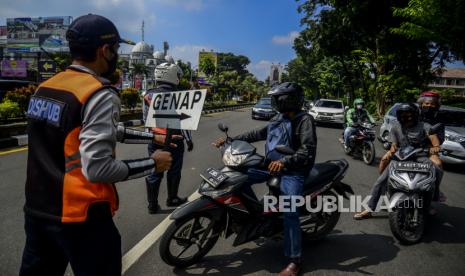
x=134, y=254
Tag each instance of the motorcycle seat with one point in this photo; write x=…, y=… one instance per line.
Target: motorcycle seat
x=321, y=174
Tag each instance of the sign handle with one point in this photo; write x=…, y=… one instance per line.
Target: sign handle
x=168, y=139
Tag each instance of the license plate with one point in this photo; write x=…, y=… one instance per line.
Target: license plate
x=214, y=177
x=413, y=167
x=324, y=118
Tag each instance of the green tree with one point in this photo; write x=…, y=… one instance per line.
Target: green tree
x=62, y=60
x=140, y=69
x=374, y=62
x=232, y=62
x=130, y=97
x=123, y=65
x=440, y=24
x=208, y=67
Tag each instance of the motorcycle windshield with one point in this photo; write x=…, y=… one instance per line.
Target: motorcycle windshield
x=241, y=147
x=405, y=152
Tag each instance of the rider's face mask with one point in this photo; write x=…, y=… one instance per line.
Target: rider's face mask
x=429, y=109
x=359, y=106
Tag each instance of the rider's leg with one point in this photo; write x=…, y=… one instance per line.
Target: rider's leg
x=378, y=189
x=152, y=182
x=254, y=176
x=292, y=185
x=376, y=192
x=173, y=176
x=347, y=132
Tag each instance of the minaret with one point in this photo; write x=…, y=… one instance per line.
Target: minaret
x=142, y=30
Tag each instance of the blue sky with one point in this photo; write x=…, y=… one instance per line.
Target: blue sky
x=263, y=30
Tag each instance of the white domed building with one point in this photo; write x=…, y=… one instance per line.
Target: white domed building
x=140, y=53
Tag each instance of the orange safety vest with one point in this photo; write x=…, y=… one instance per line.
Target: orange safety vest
x=56, y=187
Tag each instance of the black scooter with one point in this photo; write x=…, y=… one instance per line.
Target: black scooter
x=224, y=207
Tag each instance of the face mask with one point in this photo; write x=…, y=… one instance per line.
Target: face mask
x=359, y=106
x=111, y=64
x=428, y=112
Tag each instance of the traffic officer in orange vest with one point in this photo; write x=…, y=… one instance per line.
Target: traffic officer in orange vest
x=73, y=129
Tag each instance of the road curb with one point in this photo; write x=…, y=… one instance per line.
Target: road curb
x=14, y=141
x=22, y=140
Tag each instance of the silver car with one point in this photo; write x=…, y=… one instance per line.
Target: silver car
x=454, y=144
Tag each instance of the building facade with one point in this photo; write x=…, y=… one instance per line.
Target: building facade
x=452, y=78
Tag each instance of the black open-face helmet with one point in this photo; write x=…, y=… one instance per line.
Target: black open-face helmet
x=287, y=97
x=407, y=114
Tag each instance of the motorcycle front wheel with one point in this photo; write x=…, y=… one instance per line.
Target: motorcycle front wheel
x=316, y=226
x=407, y=227
x=368, y=152
x=188, y=240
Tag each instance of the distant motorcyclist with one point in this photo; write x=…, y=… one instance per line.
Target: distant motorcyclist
x=167, y=76
x=409, y=131
x=357, y=114
x=294, y=128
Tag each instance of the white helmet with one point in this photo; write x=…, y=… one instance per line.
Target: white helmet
x=169, y=59
x=168, y=73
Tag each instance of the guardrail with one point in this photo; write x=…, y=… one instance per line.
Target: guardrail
x=13, y=133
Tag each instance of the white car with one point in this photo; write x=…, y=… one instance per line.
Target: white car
x=453, y=148
x=328, y=111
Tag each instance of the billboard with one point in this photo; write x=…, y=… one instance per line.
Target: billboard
x=212, y=56
x=14, y=68
x=3, y=36
x=29, y=34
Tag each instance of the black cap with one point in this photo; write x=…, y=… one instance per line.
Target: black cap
x=94, y=30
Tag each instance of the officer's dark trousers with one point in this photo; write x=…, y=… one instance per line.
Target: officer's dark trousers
x=173, y=176
x=92, y=247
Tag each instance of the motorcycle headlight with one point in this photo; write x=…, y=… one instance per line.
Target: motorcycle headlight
x=233, y=160
x=454, y=138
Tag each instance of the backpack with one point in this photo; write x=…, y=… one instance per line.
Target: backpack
x=279, y=133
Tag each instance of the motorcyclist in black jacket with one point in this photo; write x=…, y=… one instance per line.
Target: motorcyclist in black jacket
x=429, y=103
x=287, y=98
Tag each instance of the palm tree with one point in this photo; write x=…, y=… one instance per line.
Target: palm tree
x=139, y=69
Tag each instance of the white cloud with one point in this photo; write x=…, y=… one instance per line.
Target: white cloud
x=261, y=69
x=189, y=5
x=188, y=52
x=285, y=39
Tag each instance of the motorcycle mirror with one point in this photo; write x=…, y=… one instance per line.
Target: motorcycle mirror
x=284, y=149
x=223, y=127
x=307, y=105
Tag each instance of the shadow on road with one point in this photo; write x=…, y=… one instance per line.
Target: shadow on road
x=446, y=227
x=454, y=168
x=346, y=253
